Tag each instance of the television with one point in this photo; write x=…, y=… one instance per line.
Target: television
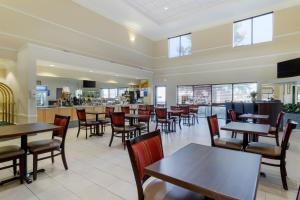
x=288, y=68
x=89, y=84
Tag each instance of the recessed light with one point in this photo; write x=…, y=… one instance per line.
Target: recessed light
x=52, y=65
x=166, y=8
x=91, y=71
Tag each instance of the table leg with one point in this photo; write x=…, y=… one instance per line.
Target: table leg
x=179, y=121
x=245, y=140
x=24, y=147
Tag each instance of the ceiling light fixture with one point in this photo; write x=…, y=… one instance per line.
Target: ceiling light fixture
x=166, y=8
x=52, y=65
x=91, y=71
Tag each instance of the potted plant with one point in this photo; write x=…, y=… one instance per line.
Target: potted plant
x=253, y=96
x=292, y=111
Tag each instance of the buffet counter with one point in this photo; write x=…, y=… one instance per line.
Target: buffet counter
x=46, y=114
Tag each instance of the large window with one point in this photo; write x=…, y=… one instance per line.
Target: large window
x=253, y=30
x=202, y=94
x=221, y=93
x=180, y=45
x=160, y=95
x=241, y=92
x=184, y=94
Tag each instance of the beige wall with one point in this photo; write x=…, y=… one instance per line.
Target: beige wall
x=214, y=60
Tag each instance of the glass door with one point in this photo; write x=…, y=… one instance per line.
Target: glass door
x=160, y=95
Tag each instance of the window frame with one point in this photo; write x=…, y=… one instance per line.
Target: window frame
x=251, y=18
x=180, y=45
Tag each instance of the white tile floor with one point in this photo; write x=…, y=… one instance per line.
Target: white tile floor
x=99, y=172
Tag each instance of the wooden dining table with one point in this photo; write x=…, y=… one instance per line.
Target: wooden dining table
x=254, y=117
x=98, y=133
x=178, y=113
x=216, y=173
x=133, y=117
x=246, y=129
x=23, y=131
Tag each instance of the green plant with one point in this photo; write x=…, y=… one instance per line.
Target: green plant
x=253, y=94
x=291, y=108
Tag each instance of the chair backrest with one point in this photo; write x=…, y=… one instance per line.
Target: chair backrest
x=142, y=107
x=290, y=125
x=232, y=115
x=118, y=119
x=185, y=109
x=144, y=150
x=160, y=105
x=161, y=113
x=63, y=121
x=108, y=111
x=81, y=115
x=279, y=121
x=145, y=117
x=213, y=126
x=125, y=109
x=298, y=195
x=150, y=108
x=174, y=108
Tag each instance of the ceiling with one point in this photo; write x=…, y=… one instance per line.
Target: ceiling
x=159, y=19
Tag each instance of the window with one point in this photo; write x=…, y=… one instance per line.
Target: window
x=241, y=91
x=253, y=30
x=202, y=94
x=221, y=93
x=184, y=93
x=113, y=93
x=122, y=91
x=104, y=93
x=180, y=45
x=160, y=95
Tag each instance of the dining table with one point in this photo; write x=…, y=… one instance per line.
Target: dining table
x=216, y=173
x=254, y=117
x=97, y=133
x=23, y=131
x=246, y=129
x=133, y=117
x=176, y=112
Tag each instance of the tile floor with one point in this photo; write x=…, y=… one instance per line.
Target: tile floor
x=99, y=172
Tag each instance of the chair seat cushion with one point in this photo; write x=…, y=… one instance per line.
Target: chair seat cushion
x=160, y=190
x=10, y=151
x=272, y=130
x=104, y=121
x=126, y=129
x=165, y=120
x=90, y=123
x=140, y=125
x=232, y=143
x=264, y=149
x=44, y=145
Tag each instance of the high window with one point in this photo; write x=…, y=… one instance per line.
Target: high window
x=180, y=45
x=160, y=95
x=253, y=30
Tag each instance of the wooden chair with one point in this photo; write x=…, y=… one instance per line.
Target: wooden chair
x=274, y=131
x=84, y=124
x=187, y=116
x=152, y=111
x=125, y=109
x=298, y=195
x=143, y=122
x=233, y=118
x=275, y=152
x=142, y=107
x=118, y=127
x=143, y=151
x=194, y=110
x=55, y=144
x=163, y=120
x=176, y=116
x=12, y=153
x=217, y=141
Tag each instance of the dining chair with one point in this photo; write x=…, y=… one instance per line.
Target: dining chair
x=187, y=116
x=274, y=131
x=152, y=111
x=233, y=118
x=194, y=110
x=275, y=152
x=119, y=129
x=12, y=153
x=83, y=123
x=298, y=195
x=53, y=145
x=176, y=116
x=163, y=120
x=143, y=122
x=217, y=140
x=142, y=107
x=125, y=109
x=143, y=151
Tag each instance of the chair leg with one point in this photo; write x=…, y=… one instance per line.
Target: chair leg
x=35, y=165
x=148, y=127
x=197, y=118
x=15, y=167
x=86, y=130
x=156, y=125
x=52, y=156
x=63, y=157
x=123, y=140
x=78, y=130
x=277, y=139
x=21, y=169
x=111, y=139
x=283, y=175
